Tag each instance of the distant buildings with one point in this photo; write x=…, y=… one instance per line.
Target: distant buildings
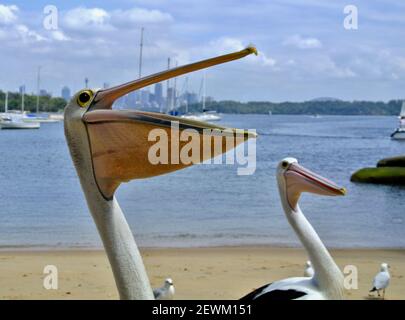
x=44, y=93
x=21, y=89
x=156, y=98
x=66, y=93
x=171, y=97
x=159, y=95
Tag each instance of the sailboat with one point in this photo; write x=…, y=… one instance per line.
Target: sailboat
x=38, y=117
x=399, y=133
x=15, y=120
x=205, y=115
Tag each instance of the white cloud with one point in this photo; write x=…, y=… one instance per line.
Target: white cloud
x=226, y=45
x=401, y=62
x=327, y=66
x=140, y=16
x=28, y=35
x=303, y=43
x=84, y=18
x=59, y=36
x=8, y=14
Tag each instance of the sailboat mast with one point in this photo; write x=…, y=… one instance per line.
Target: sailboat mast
x=174, y=100
x=204, y=91
x=402, y=113
x=140, y=54
x=38, y=85
x=6, y=103
x=186, y=93
x=22, y=99
x=168, y=89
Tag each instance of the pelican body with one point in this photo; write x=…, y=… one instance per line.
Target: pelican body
x=327, y=280
x=109, y=147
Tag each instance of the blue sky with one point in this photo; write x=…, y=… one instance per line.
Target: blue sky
x=304, y=50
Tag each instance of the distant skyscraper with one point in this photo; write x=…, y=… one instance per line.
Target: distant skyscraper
x=159, y=94
x=21, y=89
x=66, y=93
x=86, y=82
x=191, y=98
x=170, y=98
x=106, y=85
x=144, y=97
x=44, y=93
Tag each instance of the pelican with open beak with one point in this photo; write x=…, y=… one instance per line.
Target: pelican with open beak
x=109, y=147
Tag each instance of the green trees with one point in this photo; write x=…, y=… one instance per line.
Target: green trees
x=332, y=107
x=46, y=103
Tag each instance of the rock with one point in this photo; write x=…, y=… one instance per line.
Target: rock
x=380, y=175
x=392, y=162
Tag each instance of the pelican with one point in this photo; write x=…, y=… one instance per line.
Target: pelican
x=109, y=147
x=327, y=282
x=381, y=280
x=309, y=271
x=166, y=292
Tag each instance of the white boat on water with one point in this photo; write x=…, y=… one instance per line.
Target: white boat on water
x=399, y=134
x=43, y=118
x=15, y=120
x=204, y=116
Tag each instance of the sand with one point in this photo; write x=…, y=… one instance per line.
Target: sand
x=198, y=273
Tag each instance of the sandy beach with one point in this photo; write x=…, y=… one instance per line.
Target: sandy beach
x=198, y=273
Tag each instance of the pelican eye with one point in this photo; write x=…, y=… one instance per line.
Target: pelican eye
x=84, y=97
x=284, y=164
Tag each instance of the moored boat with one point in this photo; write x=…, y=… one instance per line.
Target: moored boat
x=399, y=133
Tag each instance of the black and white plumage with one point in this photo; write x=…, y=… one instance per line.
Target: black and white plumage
x=381, y=280
x=309, y=271
x=327, y=281
x=166, y=292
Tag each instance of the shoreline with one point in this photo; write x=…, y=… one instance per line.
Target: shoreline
x=26, y=249
x=198, y=273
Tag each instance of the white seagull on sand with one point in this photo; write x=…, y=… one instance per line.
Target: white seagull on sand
x=166, y=292
x=309, y=271
x=381, y=280
x=327, y=282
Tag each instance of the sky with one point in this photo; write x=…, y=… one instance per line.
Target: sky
x=305, y=51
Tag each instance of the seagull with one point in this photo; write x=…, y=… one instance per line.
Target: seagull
x=109, y=147
x=327, y=282
x=381, y=280
x=309, y=271
x=166, y=292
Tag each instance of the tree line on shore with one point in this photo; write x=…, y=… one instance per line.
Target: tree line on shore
x=46, y=103
x=327, y=107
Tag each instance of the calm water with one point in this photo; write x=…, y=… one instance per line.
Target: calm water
x=42, y=204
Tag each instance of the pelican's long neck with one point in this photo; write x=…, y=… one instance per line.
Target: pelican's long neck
x=126, y=262
x=125, y=259
x=328, y=276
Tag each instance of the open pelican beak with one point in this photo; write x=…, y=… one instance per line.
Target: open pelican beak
x=300, y=179
x=121, y=140
x=105, y=98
